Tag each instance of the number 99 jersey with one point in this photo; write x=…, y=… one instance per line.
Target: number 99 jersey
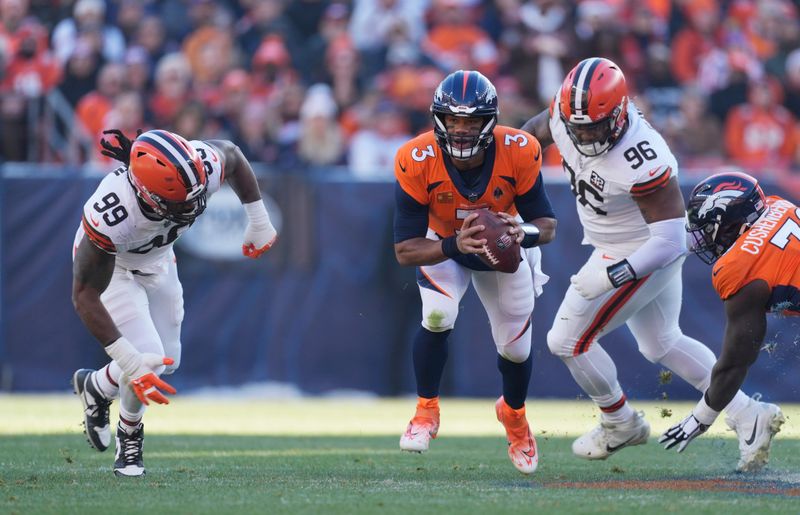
x=606, y=186
x=114, y=221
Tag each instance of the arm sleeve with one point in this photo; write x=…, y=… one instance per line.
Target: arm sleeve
x=534, y=203
x=410, y=217
x=666, y=244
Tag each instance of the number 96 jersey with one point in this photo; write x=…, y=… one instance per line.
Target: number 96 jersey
x=114, y=221
x=606, y=186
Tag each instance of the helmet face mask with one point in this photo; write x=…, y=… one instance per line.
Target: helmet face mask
x=593, y=105
x=720, y=209
x=168, y=175
x=464, y=94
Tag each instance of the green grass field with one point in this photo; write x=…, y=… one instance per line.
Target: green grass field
x=331, y=456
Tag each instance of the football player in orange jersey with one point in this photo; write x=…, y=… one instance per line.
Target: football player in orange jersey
x=465, y=163
x=125, y=285
x=754, y=244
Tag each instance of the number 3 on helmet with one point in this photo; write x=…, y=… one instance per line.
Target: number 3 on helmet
x=168, y=176
x=593, y=105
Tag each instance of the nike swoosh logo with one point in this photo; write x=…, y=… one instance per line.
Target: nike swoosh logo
x=402, y=168
x=538, y=154
x=715, y=272
x=752, y=438
x=94, y=222
x=606, y=256
x=653, y=172
x=214, y=156
x=611, y=449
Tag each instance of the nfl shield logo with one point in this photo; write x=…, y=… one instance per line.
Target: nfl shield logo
x=597, y=181
x=473, y=197
x=497, y=193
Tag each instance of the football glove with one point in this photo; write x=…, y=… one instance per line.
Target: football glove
x=122, y=150
x=141, y=368
x=260, y=234
x=691, y=427
x=590, y=283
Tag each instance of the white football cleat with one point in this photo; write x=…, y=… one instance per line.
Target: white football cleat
x=607, y=438
x=423, y=427
x=755, y=427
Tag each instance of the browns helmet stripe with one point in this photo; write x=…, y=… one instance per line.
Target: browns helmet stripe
x=583, y=77
x=177, y=155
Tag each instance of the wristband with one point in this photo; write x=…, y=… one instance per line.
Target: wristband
x=450, y=247
x=621, y=273
x=256, y=212
x=531, y=235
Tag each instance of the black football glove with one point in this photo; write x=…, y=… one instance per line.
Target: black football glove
x=122, y=150
x=683, y=433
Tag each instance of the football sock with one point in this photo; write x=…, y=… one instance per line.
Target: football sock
x=107, y=381
x=130, y=407
x=516, y=377
x=596, y=374
x=429, y=356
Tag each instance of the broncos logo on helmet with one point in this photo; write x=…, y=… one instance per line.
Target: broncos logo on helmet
x=168, y=176
x=721, y=208
x=593, y=105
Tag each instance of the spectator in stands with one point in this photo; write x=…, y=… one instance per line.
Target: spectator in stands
x=791, y=83
x=262, y=19
x=270, y=64
x=31, y=71
x=321, y=142
x=695, y=40
x=761, y=132
x=152, y=36
x=540, y=48
x=456, y=42
x=13, y=15
x=343, y=64
x=693, y=134
x=172, y=88
x=191, y=121
x=88, y=17
x=94, y=106
x=80, y=73
x=137, y=70
x=127, y=115
x=659, y=86
x=373, y=148
x=332, y=28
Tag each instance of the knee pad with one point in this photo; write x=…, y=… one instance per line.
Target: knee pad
x=558, y=343
x=516, y=351
x=439, y=319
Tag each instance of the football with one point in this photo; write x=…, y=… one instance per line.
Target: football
x=501, y=252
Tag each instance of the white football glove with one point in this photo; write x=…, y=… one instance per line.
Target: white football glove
x=260, y=234
x=142, y=368
x=691, y=427
x=590, y=283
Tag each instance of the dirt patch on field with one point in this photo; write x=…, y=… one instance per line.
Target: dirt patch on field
x=694, y=485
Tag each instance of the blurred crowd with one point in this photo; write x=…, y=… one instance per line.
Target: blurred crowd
x=299, y=84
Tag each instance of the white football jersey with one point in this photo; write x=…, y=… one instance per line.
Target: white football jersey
x=605, y=186
x=119, y=226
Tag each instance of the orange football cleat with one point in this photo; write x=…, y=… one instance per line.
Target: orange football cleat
x=423, y=427
x=521, y=443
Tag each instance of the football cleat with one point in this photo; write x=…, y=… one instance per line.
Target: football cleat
x=607, y=438
x=755, y=427
x=128, y=461
x=95, y=409
x=423, y=427
x=521, y=443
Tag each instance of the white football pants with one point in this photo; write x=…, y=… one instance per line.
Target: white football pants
x=507, y=298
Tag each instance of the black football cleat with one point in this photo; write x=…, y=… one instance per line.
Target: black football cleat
x=129, y=462
x=95, y=409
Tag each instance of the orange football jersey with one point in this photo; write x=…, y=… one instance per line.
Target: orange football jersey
x=770, y=250
x=421, y=172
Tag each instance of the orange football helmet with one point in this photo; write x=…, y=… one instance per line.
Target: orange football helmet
x=168, y=176
x=594, y=105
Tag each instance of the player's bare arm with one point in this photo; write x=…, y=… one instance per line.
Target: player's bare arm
x=91, y=273
x=539, y=127
x=238, y=172
x=260, y=234
x=663, y=204
x=745, y=327
x=422, y=251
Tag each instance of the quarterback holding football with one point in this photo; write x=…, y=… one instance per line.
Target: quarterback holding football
x=448, y=180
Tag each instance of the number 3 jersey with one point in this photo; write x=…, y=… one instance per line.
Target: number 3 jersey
x=114, y=221
x=769, y=251
x=606, y=186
